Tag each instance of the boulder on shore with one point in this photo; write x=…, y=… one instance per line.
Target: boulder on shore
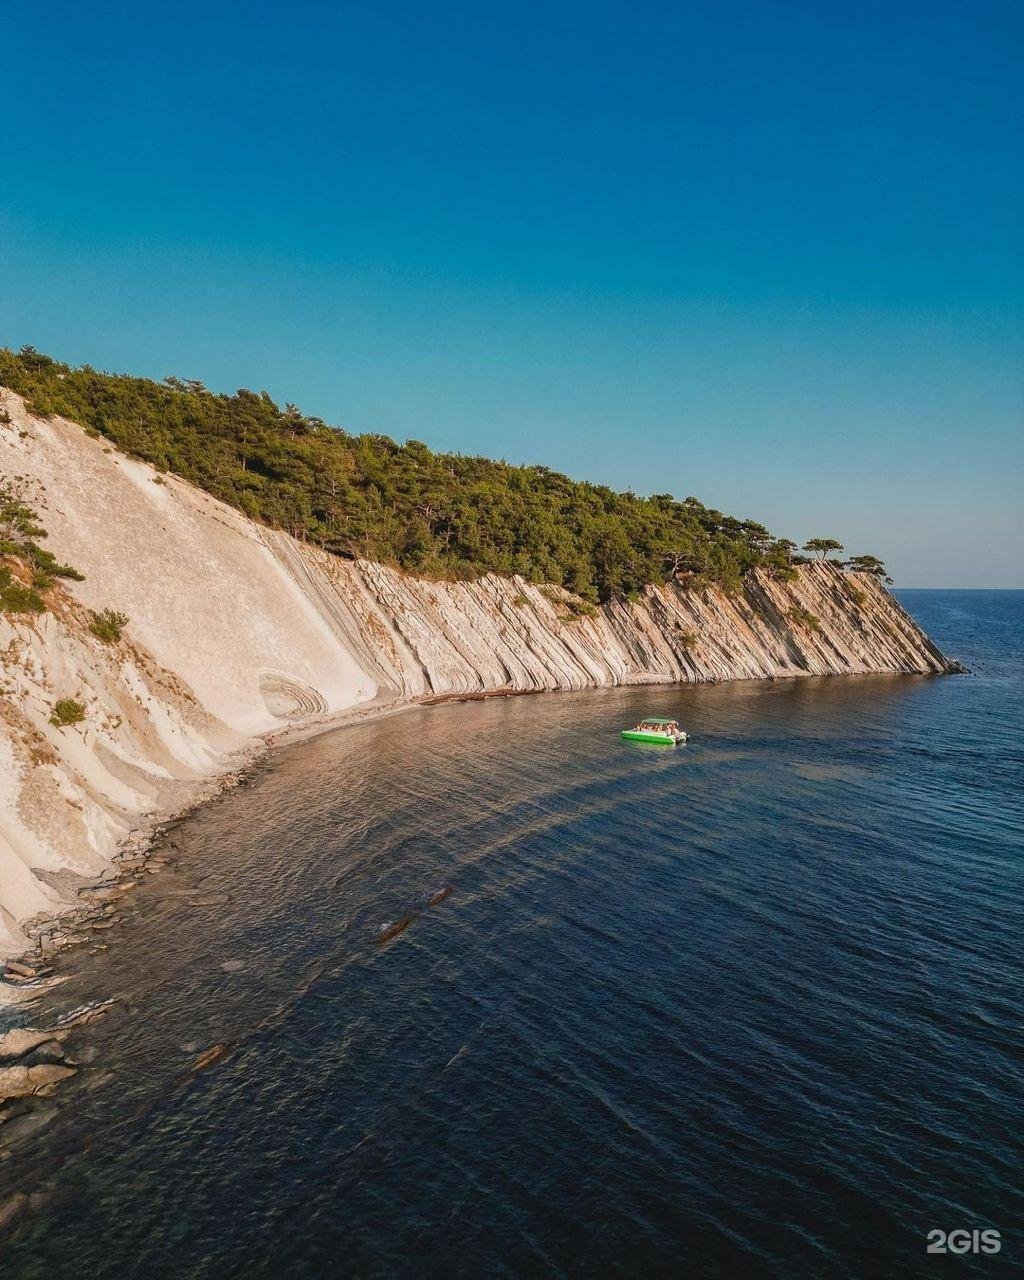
x=21, y=1040
x=19, y=1081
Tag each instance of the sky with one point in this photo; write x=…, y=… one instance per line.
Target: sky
x=766, y=253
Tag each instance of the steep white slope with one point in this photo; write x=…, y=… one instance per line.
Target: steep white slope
x=206, y=597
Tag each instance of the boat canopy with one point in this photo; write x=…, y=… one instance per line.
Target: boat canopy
x=656, y=720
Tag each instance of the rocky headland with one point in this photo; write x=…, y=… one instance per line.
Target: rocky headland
x=238, y=634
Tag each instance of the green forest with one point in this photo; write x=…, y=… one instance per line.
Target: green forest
x=439, y=515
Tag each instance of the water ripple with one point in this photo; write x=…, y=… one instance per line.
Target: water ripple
x=749, y=1007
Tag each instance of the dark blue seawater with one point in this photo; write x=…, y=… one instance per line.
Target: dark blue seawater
x=749, y=1007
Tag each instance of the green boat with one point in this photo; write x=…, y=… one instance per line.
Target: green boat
x=665, y=733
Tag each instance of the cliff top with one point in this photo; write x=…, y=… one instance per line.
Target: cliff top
x=436, y=515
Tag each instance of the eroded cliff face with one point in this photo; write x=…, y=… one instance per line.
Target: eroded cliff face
x=236, y=630
x=419, y=638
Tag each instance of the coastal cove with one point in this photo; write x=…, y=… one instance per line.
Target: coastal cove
x=187, y=632
x=791, y=947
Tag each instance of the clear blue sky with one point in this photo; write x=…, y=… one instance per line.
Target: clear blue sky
x=768, y=253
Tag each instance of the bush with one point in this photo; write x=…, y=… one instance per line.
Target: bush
x=67, y=711
x=521, y=601
x=569, y=605
x=687, y=639
x=15, y=597
x=48, y=563
x=19, y=529
x=581, y=608
x=108, y=625
x=804, y=618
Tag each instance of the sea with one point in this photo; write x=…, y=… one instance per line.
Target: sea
x=483, y=990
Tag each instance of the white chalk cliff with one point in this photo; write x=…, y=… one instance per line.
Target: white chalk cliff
x=236, y=630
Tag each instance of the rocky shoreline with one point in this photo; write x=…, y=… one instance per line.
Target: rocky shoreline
x=141, y=854
x=96, y=907
x=35, y=1061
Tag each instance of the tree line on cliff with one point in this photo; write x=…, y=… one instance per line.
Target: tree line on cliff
x=439, y=515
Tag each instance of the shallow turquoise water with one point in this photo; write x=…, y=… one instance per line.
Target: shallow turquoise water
x=747, y=1007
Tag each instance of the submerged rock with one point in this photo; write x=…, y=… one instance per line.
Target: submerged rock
x=51, y=1051
x=97, y=1079
x=208, y=1058
x=12, y=1208
x=392, y=928
x=25, y=1125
